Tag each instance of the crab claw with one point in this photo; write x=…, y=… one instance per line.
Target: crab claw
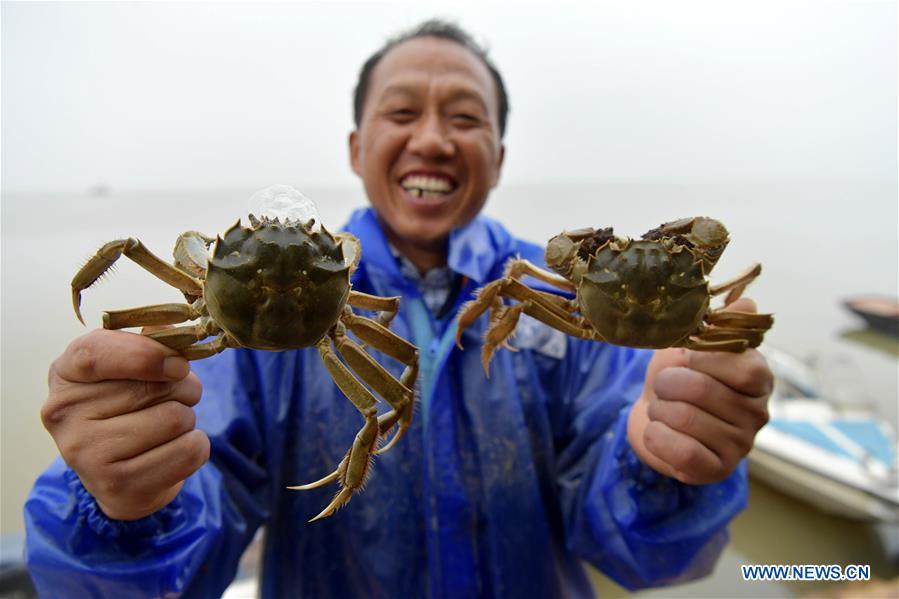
x=485, y=298
x=341, y=499
x=76, y=303
x=353, y=469
x=343, y=496
x=486, y=357
x=499, y=333
x=320, y=482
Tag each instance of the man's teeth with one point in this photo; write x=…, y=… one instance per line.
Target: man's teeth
x=427, y=187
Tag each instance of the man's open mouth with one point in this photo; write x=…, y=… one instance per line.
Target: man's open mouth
x=428, y=186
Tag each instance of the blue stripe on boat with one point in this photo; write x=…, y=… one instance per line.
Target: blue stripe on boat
x=869, y=436
x=810, y=434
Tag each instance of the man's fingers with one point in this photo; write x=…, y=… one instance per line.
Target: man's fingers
x=745, y=373
x=130, y=435
x=155, y=328
x=744, y=304
x=75, y=403
x=726, y=441
x=105, y=355
x=712, y=396
x=689, y=460
x=112, y=398
x=160, y=468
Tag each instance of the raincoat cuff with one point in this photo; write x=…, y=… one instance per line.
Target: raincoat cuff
x=106, y=527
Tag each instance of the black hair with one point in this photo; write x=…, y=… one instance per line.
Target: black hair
x=431, y=28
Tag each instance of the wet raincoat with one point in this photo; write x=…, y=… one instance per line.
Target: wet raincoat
x=501, y=486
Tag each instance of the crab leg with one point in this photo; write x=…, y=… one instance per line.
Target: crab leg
x=554, y=303
x=733, y=345
x=387, y=306
x=158, y=314
x=730, y=331
x=382, y=338
x=550, y=305
x=393, y=345
x=184, y=337
x=737, y=285
x=500, y=330
x=753, y=337
x=488, y=296
x=210, y=348
x=378, y=378
x=516, y=268
x=355, y=466
x=740, y=320
x=106, y=256
x=385, y=423
x=498, y=334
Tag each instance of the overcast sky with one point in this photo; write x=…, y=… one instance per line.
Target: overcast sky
x=208, y=95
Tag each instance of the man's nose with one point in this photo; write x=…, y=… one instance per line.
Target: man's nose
x=430, y=139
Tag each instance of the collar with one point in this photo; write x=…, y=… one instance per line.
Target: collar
x=439, y=276
x=474, y=249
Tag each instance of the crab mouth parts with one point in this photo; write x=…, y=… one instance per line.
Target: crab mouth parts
x=428, y=186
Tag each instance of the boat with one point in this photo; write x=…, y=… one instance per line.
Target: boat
x=841, y=459
x=880, y=313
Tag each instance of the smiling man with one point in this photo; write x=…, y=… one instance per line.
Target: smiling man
x=428, y=145
x=572, y=450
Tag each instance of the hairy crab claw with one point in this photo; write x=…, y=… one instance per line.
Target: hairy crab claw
x=428, y=186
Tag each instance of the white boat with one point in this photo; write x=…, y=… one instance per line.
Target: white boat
x=841, y=459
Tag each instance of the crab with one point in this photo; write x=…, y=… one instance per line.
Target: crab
x=647, y=293
x=277, y=285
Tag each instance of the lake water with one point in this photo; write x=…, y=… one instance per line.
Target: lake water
x=818, y=242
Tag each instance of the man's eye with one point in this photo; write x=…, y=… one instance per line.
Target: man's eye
x=401, y=114
x=465, y=118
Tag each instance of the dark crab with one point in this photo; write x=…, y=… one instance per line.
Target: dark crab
x=276, y=286
x=649, y=293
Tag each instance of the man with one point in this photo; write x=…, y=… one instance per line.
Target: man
x=500, y=486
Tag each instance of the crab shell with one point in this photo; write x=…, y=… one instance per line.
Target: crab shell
x=644, y=295
x=275, y=285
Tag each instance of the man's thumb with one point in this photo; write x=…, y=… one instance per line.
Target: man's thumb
x=744, y=304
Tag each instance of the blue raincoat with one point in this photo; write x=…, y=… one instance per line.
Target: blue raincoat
x=499, y=489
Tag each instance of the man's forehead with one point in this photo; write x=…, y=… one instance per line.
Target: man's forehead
x=447, y=86
x=408, y=63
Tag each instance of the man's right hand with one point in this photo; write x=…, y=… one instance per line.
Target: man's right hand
x=119, y=409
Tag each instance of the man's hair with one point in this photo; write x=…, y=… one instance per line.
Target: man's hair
x=431, y=28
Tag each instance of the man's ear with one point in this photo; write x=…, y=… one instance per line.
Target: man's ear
x=354, y=151
x=499, y=164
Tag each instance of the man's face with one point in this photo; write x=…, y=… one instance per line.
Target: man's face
x=428, y=147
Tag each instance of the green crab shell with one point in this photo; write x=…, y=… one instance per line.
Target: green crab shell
x=644, y=296
x=276, y=286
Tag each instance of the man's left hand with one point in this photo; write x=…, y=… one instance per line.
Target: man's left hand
x=700, y=411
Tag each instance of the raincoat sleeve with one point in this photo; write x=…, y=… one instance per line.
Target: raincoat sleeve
x=635, y=525
x=193, y=545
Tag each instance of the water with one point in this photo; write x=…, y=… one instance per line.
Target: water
x=818, y=242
